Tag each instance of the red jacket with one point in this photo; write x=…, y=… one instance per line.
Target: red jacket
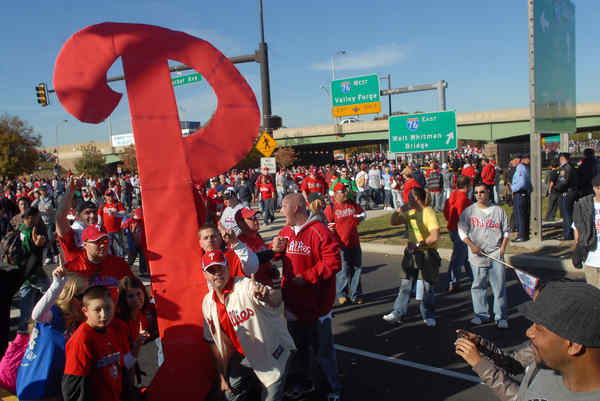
x=313, y=254
x=468, y=171
x=454, y=207
x=409, y=184
x=488, y=174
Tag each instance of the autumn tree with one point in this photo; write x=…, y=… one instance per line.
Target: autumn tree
x=18, y=143
x=285, y=156
x=128, y=157
x=91, y=161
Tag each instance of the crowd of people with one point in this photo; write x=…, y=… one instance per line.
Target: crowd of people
x=267, y=326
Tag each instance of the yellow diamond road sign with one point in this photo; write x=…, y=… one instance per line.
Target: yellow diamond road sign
x=266, y=144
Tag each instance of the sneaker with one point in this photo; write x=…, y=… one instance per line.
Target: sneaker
x=358, y=301
x=502, y=324
x=47, y=261
x=430, y=322
x=333, y=397
x=392, y=318
x=342, y=300
x=477, y=321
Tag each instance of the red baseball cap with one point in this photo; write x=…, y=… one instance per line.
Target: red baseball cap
x=211, y=258
x=248, y=213
x=93, y=233
x=108, y=192
x=340, y=186
x=137, y=214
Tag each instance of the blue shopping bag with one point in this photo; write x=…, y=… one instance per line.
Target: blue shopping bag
x=41, y=370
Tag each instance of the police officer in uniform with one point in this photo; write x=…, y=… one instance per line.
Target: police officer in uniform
x=566, y=186
x=521, y=187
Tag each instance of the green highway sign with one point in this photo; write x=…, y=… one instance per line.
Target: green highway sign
x=186, y=79
x=554, y=68
x=353, y=96
x=425, y=132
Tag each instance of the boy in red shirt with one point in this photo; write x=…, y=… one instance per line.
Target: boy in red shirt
x=97, y=354
x=343, y=217
x=267, y=192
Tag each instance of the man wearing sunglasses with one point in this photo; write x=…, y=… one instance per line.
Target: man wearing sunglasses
x=94, y=263
x=484, y=228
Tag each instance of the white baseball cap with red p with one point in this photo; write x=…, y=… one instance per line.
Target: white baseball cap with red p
x=212, y=258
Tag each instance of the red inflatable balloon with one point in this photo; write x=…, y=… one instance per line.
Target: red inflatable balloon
x=168, y=165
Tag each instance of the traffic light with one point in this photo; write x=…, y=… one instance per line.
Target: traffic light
x=42, y=94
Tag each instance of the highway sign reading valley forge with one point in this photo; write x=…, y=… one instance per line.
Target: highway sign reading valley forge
x=425, y=132
x=354, y=96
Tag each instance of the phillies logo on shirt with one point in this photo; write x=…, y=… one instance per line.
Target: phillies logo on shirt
x=298, y=248
x=341, y=213
x=237, y=318
x=314, y=185
x=487, y=223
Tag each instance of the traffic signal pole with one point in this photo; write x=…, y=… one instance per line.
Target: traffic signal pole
x=261, y=57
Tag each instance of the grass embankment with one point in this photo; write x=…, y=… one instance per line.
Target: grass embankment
x=379, y=230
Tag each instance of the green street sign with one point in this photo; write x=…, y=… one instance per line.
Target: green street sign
x=554, y=68
x=353, y=96
x=425, y=132
x=186, y=79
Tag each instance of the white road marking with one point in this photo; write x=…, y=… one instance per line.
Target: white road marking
x=456, y=375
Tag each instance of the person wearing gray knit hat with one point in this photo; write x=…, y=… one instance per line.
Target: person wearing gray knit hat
x=565, y=335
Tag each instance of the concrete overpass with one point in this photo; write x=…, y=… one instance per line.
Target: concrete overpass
x=488, y=126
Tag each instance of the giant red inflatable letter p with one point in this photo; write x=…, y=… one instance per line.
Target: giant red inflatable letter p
x=168, y=165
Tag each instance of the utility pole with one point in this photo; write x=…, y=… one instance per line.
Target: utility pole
x=534, y=142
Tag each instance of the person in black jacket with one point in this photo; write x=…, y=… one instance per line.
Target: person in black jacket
x=566, y=185
x=553, y=195
x=585, y=172
x=586, y=218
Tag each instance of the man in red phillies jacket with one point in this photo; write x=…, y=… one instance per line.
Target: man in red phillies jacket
x=343, y=216
x=312, y=183
x=453, y=208
x=311, y=259
x=488, y=175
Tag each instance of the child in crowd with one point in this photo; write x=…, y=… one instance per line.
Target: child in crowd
x=98, y=355
x=60, y=308
x=136, y=311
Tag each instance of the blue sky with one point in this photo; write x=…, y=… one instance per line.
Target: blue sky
x=478, y=46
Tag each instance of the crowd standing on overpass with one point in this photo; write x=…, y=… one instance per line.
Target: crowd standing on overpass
x=92, y=222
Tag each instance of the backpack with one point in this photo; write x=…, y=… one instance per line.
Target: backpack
x=360, y=181
x=11, y=250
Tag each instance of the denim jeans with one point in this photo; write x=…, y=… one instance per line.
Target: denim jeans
x=306, y=338
x=348, y=278
x=497, y=278
x=327, y=357
x=426, y=306
x=117, y=244
x=280, y=196
x=387, y=197
x=458, y=259
x=364, y=199
x=437, y=200
x=397, y=199
x=267, y=212
x=241, y=378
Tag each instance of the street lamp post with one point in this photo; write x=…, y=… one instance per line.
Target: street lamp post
x=339, y=52
x=59, y=123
